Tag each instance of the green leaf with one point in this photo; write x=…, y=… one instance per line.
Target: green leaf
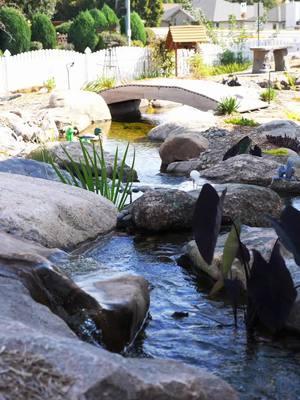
x=231, y=248
x=217, y=287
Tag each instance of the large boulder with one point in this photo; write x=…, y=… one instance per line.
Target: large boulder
x=51, y=213
x=41, y=357
x=244, y=168
x=56, y=150
x=248, y=203
x=174, y=128
x=35, y=169
x=182, y=148
x=252, y=170
x=282, y=128
x=163, y=209
x=77, y=107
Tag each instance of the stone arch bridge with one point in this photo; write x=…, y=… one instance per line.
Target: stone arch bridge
x=201, y=94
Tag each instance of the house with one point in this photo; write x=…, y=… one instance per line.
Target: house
x=174, y=14
x=219, y=12
x=286, y=15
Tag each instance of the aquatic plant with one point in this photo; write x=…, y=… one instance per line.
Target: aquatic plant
x=270, y=288
x=227, y=106
x=91, y=173
x=243, y=146
x=230, y=68
x=242, y=121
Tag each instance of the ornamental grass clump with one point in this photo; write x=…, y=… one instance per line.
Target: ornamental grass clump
x=228, y=106
x=91, y=173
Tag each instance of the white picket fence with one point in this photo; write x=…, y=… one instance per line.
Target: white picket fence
x=74, y=70
x=70, y=68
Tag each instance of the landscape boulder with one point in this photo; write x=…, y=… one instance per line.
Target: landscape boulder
x=41, y=357
x=181, y=148
x=282, y=128
x=35, y=169
x=251, y=170
x=77, y=108
x=52, y=213
x=165, y=209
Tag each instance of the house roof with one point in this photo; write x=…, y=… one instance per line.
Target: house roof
x=219, y=10
x=171, y=9
x=186, y=34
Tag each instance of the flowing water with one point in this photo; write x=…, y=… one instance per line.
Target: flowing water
x=260, y=369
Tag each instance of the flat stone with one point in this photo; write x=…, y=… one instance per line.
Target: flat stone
x=52, y=213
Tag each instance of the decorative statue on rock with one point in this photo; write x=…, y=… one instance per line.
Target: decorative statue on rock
x=285, y=172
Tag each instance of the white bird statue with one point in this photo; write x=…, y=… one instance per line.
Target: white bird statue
x=195, y=176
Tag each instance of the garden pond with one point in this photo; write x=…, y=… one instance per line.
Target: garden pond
x=264, y=368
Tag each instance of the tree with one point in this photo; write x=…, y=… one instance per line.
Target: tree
x=31, y=7
x=82, y=32
x=101, y=23
x=15, y=34
x=43, y=31
x=137, y=27
x=155, y=12
x=111, y=17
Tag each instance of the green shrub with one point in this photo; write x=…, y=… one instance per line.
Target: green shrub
x=198, y=69
x=110, y=39
x=227, y=106
x=101, y=23
x=64, y=28
x=293, y=116
x=137, y=43
x=227, y=57
x=268, y=95
x=291, y=79
x=137, y=28
x=150, y=35
x=82, y=32
x=111, y=17
x=277, y=152
x=230, y=68
x=91, y=174
x=242, y=121
x=100, y=84
x=43, y=31
x=36, y=46
x=50, y=84
x=17, y=35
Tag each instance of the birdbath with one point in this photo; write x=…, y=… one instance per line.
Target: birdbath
x=261, y=57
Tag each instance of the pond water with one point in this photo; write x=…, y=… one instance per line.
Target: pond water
x=260, y=369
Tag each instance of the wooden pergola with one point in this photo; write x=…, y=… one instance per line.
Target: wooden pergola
x=185, y=37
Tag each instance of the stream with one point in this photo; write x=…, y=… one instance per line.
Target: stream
x=262, y=369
